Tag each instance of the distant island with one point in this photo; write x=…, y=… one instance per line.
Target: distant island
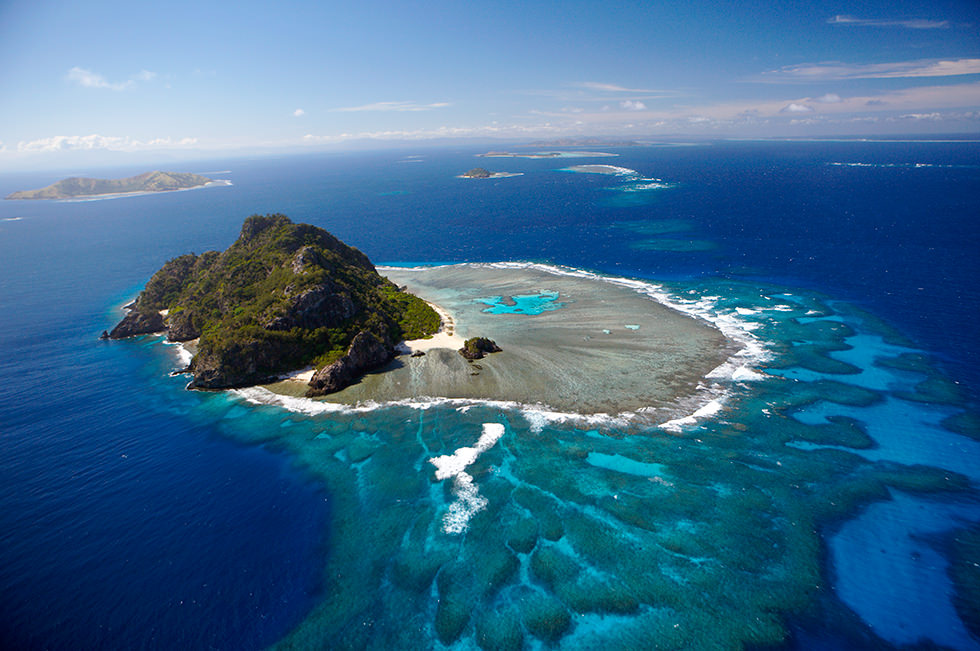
x=481, y=173
x=284, y=296
x=78, y=187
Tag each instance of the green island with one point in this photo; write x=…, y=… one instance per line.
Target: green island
x=482, y=173
x=281, y=297
x=76, y=186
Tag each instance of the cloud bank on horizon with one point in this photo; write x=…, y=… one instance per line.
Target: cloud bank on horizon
x=223, y=77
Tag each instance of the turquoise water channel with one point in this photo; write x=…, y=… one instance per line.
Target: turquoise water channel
x=530, y=304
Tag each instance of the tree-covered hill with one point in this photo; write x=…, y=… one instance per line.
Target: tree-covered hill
x=281, y=297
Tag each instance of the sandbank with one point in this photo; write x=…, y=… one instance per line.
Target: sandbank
x=601, y=348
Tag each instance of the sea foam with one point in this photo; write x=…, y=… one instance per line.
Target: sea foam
x=468, y=501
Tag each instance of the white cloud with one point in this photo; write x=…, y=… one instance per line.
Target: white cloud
x=945, y=99
x=932, y=117
x=793, y=107
x=829, y=98
x=631, y=105
x=88, y=79
x=901, y=69
x=299, y=113
x=875, y=22
x=392, y=106
x=95, y=141
x=612, y=88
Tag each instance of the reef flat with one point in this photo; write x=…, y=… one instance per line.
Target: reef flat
x=571, y=343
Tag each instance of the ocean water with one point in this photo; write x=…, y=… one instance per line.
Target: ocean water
x=827, y=498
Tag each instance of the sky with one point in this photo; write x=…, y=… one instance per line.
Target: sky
x=212, y=78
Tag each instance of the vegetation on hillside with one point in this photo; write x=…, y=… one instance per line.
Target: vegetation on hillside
x=283, y=296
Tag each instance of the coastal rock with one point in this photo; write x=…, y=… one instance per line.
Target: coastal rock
x=366, y=352
x=478, y=347
x=239, y=364
x=138, y=322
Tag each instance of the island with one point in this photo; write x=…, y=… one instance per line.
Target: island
x=288, y=310
x=79, y=187
x=282, y=297
x=481, y=173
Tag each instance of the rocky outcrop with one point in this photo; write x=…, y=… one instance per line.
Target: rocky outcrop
x=478, y=347
x=181, y=327
x=242, y=364
x=366, y=352
x=324, y=306
x=138, y=322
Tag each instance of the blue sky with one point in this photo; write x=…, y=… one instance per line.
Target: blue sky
x=213, y=77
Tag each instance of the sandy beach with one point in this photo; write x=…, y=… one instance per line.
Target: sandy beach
x=445, y=337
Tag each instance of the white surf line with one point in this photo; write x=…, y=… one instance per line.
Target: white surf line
x=537, y=415
x=468, y=502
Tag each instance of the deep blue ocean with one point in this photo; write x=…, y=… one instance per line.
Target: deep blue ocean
x=135, y=514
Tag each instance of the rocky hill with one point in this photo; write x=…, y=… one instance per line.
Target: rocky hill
x=282, y=297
